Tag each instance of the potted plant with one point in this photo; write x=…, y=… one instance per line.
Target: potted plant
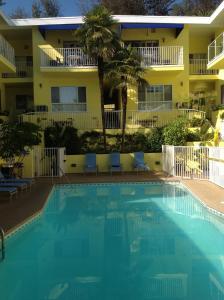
x=222, y=125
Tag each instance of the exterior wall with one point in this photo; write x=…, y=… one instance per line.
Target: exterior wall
x=178, y=79
x=43, y=81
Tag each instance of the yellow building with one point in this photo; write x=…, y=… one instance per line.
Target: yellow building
x=46, y=77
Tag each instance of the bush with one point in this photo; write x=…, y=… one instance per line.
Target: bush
x=176, y=133
x=63, y=136
x=196, y=122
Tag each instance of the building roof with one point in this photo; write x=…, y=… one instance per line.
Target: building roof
x=215, y=19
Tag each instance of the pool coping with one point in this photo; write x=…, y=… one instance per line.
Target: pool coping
x=36, y=216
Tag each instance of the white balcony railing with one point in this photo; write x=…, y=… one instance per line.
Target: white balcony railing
x=216, y=48
x=160, y=56
x=68, y=107
x=75, y=57
x=154, y=105
x=199, y=67
x=113, y=119
x=6, y=50
x=65, y=57
x=24, y=69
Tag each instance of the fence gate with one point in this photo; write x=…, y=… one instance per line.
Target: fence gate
x=49, y=162
x=186, y=162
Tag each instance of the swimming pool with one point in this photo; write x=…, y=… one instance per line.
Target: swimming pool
x=116, y=242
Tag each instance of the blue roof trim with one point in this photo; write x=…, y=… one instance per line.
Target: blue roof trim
x=150, y=25
x=59, y=27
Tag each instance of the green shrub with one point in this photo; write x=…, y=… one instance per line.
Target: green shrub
x=63, y=136
x=176, y=133
x=196, y=122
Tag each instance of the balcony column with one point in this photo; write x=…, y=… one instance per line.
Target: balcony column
x=2, y=97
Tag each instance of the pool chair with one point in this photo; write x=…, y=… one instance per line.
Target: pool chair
x=19, y=185
x=115, y=165
x=90, y=163
x=28, y=181
x=139, y=163
x=8, y=191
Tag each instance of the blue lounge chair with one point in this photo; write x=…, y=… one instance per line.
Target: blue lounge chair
x=115, y=165
x=139, y=163
x=28, y=181
x=90, y=163
x=19, y=185
x=8, y=191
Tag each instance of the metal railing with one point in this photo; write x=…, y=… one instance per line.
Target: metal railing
x=2, y=237
x=68, y=107
x=24, y=69
x=113, y=119
x=216, y=48
x=154, y=105
x=7, y=50
x=65, y=57
x=199, y=67
x=166, y=55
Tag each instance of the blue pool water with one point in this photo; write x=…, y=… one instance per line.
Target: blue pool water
x=117, y=242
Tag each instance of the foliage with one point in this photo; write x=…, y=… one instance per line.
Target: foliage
x=19, y=13
x=122, y=70
x=176, y=132
x=159, y=8
x=125, y=7
x=16, y=139
x=222, y=116
x=46, y=8
x=203, y=134
x=196, y=122
x=195, y=7
x=60, y=135
x=100, y=42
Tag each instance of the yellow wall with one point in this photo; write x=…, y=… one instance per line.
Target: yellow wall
x=103, y=162
x=43, y=81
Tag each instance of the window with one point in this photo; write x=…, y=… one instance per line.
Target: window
x=154, y=96
x=68, y=98
x=149, y=43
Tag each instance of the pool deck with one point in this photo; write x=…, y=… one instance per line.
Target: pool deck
x=28, y=204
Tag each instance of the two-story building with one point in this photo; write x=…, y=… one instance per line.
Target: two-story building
x=45, y=76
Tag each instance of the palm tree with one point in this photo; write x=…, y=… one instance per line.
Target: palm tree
x=99, y=41
x=123, y=70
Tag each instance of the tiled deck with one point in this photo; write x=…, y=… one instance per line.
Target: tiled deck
x=30, y=203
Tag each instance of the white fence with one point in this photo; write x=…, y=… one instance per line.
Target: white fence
x=7, y=50
x=166, y=55
x=206, y=163
x=199, y=67
x=49, y=162
x=65, y=57
x=85, y=120
x=216, y=48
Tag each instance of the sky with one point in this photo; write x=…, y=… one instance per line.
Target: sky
x=68, y=7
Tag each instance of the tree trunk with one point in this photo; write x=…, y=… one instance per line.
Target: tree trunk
x=124, y=97
x=101, y=84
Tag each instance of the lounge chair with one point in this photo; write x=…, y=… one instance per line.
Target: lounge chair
x=139, y=163
x=115, y=165
x=90, y=163
x=19, y=185
x=28, y=181
x=8, y=191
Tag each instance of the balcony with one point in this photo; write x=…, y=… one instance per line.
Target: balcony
x=167, y=57
x=113, y=119
x=199, y=67
x=61, y=58
x=170, y=57
x=7, y=56
x=216, y=53
x=24, y=69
